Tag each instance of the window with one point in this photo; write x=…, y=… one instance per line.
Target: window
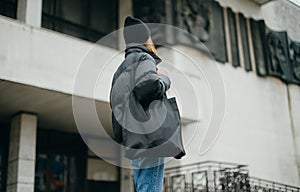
x=102, y=175
x=56, y=173
x=4, y=135
x=99, y=170
x=1, y=168
x=8, y=8
x=51, y=173
x=86, y=19
x=60, y=162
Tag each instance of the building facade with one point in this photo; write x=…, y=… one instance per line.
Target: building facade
x=255, y=46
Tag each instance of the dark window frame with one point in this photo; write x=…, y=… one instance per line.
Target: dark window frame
x=86, y=32
x=52, y=142
x=93, y=182
x=4, y=4
x=4, y=150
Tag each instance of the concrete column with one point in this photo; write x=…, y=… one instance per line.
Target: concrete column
x=30, y=11
x=294, y=106
x=125, y=9
x=126, y=180
x=21, y=159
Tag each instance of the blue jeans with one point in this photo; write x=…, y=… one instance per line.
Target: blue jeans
x=148, y=174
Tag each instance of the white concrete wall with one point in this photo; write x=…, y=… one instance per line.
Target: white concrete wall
x=282, y=15
x=248, y=7
x=43, y=58
x=257, y=126
x=294, y=98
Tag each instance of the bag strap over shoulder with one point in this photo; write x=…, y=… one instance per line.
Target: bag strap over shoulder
x=137, y=58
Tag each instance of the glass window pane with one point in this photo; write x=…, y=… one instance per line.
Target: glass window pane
x=99, y=170
x=89, y=20
x=58, y=173
x=1, y=167
x=8, y=8
x=72, y=11
x=51, y=173
x=102, y=16
x=41, y=173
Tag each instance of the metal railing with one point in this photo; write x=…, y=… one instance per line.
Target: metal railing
x=262, y=185
x=215, y=176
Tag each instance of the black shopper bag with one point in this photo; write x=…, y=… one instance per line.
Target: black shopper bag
x=165, y=141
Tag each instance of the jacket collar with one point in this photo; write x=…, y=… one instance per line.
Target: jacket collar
x=133, y=47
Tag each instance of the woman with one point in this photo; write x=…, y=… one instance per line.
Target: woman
x=149, y=84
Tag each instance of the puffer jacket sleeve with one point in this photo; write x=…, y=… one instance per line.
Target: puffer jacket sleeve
x=149, y=85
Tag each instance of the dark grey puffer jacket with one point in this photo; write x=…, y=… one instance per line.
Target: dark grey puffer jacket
x=137, y=74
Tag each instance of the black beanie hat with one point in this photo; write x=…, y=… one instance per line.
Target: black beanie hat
x=135, y=31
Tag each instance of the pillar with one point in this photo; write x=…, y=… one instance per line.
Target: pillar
x=126, y=180
x=22, y=152
x=294, y=106
x=30, y=11
x=125, y=9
